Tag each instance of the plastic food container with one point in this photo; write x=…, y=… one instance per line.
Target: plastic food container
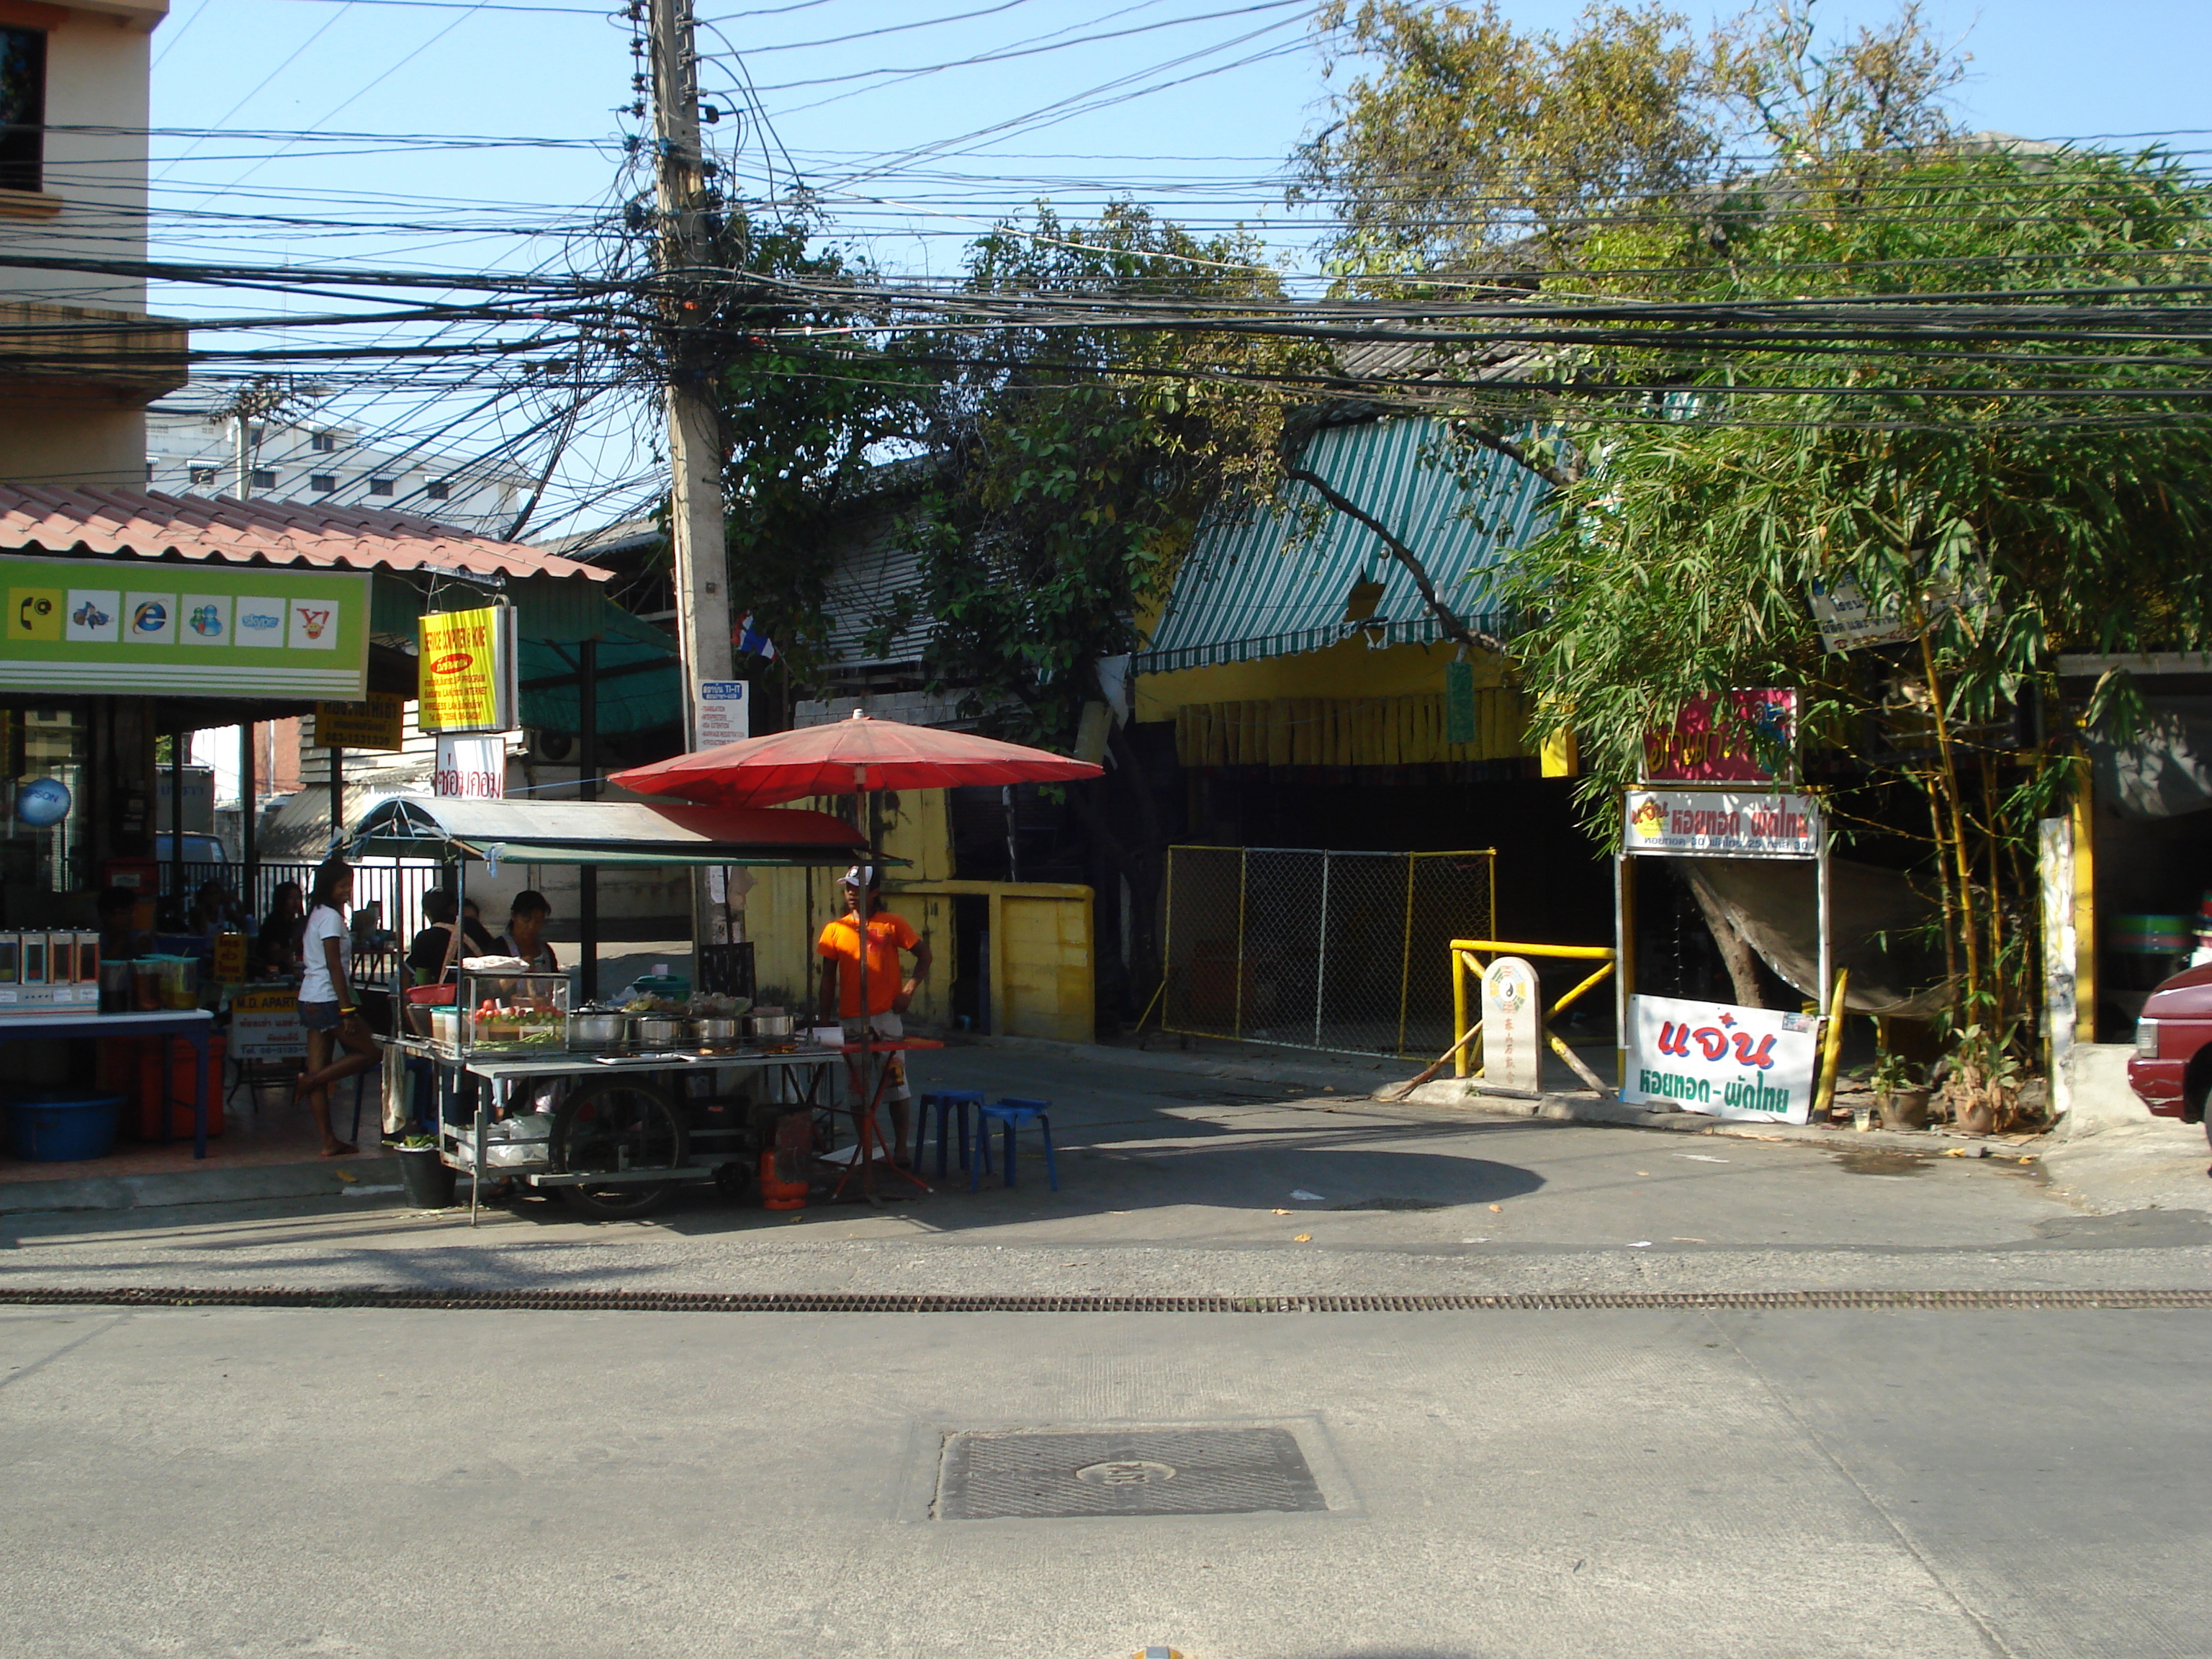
x=180, y=982
x=146, y=985
x=509, y=1012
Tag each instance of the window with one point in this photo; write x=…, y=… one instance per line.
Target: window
x=206, y=475
x=264, y=478
x=438, y=489
x=325, y=443
x=22, y=107
x=323, y=483
x=379, y=486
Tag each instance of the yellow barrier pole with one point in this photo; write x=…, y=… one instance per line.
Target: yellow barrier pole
x=1831, y=1045
x=1459, y=1011
x=1236, y=1017
x=1405, y=955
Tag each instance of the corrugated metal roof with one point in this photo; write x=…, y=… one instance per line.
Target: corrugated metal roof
x=226, y=531
x=1255, y=587
x=875, y=567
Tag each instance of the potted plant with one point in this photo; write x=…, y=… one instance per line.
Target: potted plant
x=1901, y=1091
x=428, y=1182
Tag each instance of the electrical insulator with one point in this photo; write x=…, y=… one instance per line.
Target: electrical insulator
x=709, y=114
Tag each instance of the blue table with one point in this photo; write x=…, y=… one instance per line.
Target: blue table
x=193, y=1024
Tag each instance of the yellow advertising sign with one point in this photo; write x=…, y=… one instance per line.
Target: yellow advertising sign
x=466, y=671
x=376, y=722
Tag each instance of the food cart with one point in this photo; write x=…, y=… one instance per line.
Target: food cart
x=529, y=1088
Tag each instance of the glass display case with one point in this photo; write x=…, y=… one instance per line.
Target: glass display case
x=509, y=1013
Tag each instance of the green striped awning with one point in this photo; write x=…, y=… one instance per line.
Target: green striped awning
x=1256, y=586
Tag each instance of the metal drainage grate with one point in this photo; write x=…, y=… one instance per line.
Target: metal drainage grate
x=987, y=1476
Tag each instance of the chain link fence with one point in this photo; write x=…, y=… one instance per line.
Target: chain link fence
x=1321, y=950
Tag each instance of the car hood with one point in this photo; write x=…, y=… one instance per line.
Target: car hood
x=2185, y=996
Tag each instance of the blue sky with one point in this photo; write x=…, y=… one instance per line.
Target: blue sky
x=1204, y=142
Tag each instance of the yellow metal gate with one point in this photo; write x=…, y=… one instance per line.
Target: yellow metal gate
x=1320, y=950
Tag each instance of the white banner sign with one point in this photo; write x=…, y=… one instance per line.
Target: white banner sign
x=725, y=715
x=265, y=1025
x=1721, y=823
x=1751, y=1065
x=471, y=769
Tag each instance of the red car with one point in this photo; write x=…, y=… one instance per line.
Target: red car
x=2171, y=1069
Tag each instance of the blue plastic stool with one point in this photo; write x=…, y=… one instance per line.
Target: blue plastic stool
x=1011, y=1114
x=945, y=1103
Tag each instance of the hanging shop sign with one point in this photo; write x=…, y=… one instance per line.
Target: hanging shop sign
x=1721, y=824
x=724, y=715
x=1751, y=1065
x=138, y=626
x=471, y=769
x=465, y=672
x=379, y=722
x=1730, y=736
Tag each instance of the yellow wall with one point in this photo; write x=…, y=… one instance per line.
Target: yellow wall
x=1351, y=669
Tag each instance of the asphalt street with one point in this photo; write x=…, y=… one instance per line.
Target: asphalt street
x=2023, y=1482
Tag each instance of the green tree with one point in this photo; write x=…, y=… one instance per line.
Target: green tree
x=1079, y=458
x=2034, y=482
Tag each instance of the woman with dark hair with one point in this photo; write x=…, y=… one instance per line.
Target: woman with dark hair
x=328, y=1007
x=432, y=952
x=525, y=933
x=280, y=929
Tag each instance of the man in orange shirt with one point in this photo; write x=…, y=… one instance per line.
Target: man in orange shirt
x=888, y=993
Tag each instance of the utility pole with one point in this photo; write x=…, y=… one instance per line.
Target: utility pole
x=700, y=557
x=695, y=449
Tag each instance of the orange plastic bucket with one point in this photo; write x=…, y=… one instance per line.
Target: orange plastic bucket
x=779, y=1195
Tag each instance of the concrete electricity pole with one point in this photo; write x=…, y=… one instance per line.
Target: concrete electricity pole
x=695, y=451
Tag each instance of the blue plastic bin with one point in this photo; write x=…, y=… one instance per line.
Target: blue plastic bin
x=61, y=1128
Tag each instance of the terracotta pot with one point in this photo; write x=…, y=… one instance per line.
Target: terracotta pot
x=1978, y=1118
x=1905, y=1109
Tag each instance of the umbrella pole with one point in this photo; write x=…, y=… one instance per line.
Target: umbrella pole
x=864, y=913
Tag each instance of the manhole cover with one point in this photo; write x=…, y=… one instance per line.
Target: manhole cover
x=987, y=1476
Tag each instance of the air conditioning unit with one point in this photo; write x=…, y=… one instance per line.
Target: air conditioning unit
x=552, y=747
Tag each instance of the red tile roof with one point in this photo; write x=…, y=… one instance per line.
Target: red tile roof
x=228, y=531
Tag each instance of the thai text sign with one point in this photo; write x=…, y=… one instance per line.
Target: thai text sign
x=133, y=625
x=465, y=675
x=1721, y=824
x=1751, y=1065
x=1512, y=1029
x=265, y=1025
x=377, y=722
x=1732, y=736
x=471, y=769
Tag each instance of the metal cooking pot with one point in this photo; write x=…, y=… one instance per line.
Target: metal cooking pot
x=771, y=1025
x=594, y=1031
x=658, y=1031
x=716, y=1033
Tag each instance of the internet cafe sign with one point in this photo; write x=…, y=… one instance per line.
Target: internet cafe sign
x=1751, y=1065
x=139, y=626
x=464, y=675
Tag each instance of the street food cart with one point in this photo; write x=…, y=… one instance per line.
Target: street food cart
x=637, y=1106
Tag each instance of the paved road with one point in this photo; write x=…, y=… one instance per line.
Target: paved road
x=1173, y=1182
x=368, y=1482
x=376, y=1483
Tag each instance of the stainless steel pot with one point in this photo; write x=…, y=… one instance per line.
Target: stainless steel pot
x=716, y=1033
x=596, y=1031
x=770, y=1025
x=658, y=1031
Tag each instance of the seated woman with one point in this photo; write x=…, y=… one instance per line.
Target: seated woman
x=279, y=942
x=431, y=953
x=525, y=933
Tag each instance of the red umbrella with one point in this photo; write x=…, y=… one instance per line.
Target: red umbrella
x=846, y=757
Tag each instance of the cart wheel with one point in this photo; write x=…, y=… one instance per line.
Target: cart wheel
x=616, y=1124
